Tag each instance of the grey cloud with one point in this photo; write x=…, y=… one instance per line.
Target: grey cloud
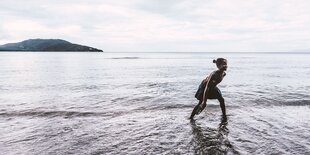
x=169, y=24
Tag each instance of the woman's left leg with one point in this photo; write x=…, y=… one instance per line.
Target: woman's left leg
x=222, y=104
x=218, y=95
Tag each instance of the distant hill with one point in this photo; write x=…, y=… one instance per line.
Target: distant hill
x=46, y=45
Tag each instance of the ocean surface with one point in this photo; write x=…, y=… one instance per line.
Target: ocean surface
x=139, y=103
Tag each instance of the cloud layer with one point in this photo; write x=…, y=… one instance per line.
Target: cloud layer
x=156, y=25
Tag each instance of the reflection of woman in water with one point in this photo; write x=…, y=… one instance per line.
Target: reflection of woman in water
x=208, y=89
x=212, y=140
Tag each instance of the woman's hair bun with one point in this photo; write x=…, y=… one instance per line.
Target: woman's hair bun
x=214, y=61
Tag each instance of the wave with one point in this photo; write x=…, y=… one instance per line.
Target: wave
x=296, y=103
x=153, y=107
x=276, y=102
x=125, y=58
x=175, y=58
x=50, y=114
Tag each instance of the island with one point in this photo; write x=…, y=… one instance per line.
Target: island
x=47, y=45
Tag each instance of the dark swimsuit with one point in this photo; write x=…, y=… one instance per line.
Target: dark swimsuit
x=213, y=93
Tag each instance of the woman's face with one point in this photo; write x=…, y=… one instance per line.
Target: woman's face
x=223, y=65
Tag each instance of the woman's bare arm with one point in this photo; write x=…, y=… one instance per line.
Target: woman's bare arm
x=205, y=92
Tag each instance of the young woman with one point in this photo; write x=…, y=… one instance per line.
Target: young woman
x=208, y=89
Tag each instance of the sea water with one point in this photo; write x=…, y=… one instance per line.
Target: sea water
x=139, y=103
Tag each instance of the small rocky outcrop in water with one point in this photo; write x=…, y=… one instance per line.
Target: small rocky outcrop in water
x=46, y=45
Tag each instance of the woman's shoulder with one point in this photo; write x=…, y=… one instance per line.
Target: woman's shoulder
x=218, y=73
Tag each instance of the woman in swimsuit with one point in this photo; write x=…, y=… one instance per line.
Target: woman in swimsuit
x=208, y=89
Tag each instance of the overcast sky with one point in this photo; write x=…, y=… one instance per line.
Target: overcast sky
x=162, y=25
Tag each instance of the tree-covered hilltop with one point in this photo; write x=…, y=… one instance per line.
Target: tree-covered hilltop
x=46, y=45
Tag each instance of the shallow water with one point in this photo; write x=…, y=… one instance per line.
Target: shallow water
x=139, y=103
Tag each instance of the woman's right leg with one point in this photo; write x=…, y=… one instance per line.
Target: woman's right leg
x=195, y=110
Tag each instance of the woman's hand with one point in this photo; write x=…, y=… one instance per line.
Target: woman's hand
x=203, y=105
